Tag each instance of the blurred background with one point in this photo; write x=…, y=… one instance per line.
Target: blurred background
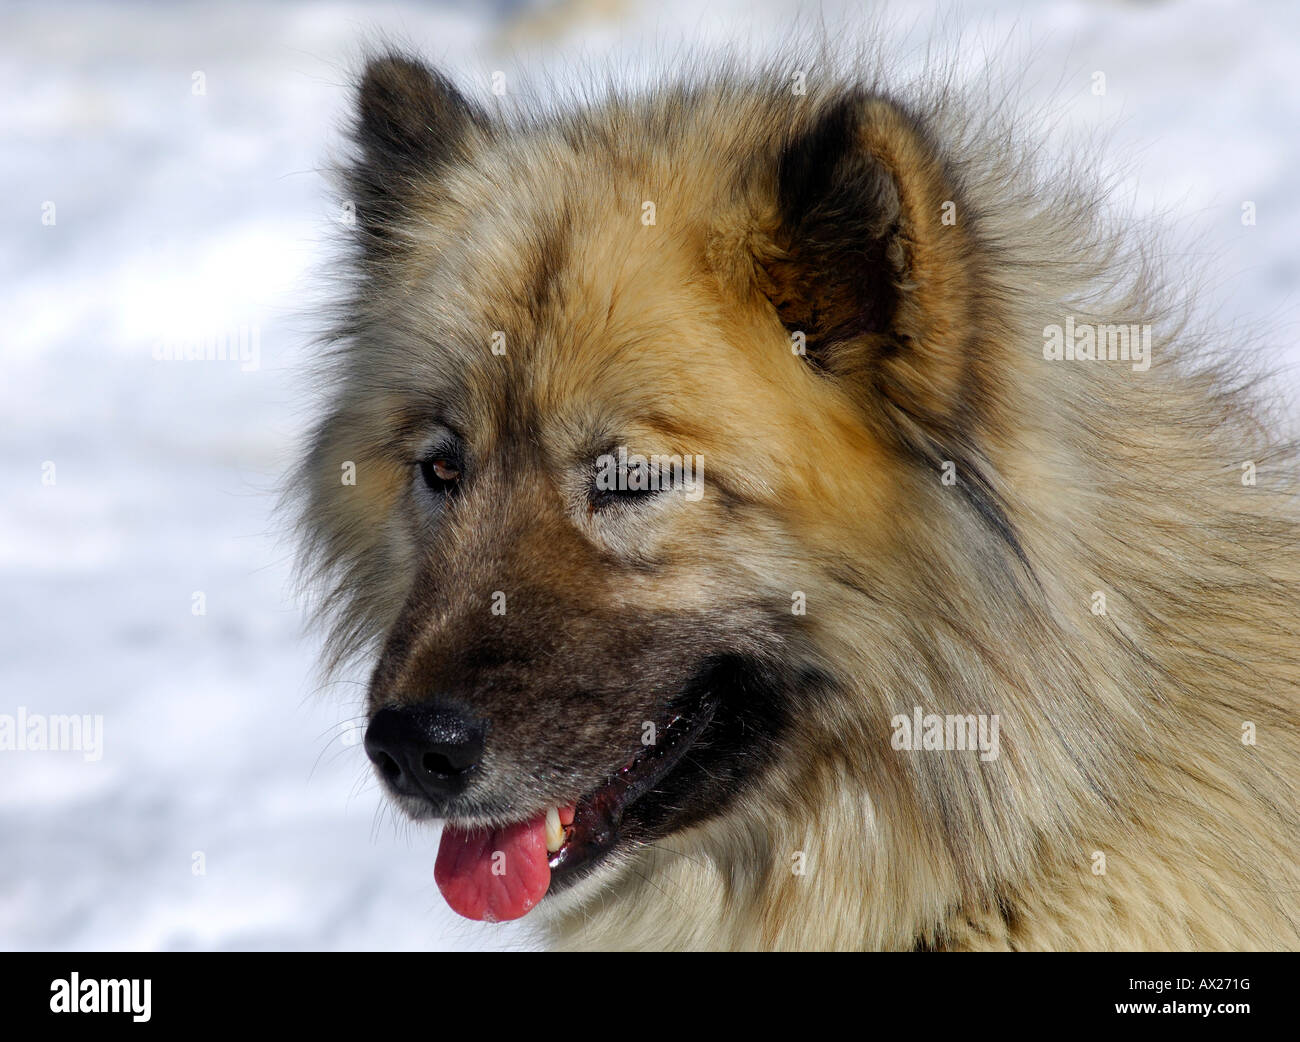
x=160, y=187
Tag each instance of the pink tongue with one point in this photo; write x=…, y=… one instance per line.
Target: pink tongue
x=493, y=875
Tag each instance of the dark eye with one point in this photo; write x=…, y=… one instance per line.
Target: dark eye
x=603, y=497
x=441, y=473
x=619, y=479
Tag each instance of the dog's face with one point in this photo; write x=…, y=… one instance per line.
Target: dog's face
x=607, y=402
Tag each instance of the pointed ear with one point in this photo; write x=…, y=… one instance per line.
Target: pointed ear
x=410, y=122
x=865, y=253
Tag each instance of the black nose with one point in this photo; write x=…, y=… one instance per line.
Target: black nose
x=425, y=750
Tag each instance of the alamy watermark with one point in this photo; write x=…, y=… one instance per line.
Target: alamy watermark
x=39, y=733
x=71, y=994
x=241, y=344
x=1087, y=342
x=930, y=732
x=622, y=471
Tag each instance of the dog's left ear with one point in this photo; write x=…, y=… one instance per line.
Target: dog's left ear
x=863, y=251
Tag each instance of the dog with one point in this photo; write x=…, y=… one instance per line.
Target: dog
x=779, y=513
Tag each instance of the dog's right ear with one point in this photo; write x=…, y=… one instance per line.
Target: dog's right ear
x=410, y=122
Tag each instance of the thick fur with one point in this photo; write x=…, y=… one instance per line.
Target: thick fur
x=819, y=213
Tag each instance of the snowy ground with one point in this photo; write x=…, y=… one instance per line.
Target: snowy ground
x=179, y=214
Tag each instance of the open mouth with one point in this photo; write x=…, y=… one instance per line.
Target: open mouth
x=495, y=875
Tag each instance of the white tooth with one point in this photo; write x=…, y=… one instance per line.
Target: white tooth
x=554, y=831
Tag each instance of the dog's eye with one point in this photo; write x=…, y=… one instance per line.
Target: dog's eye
x=441, y=473
x=603, y=497
x=626, y=482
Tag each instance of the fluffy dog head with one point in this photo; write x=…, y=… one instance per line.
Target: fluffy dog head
x=668, y=462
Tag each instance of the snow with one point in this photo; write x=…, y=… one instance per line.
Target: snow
x=180, y=215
